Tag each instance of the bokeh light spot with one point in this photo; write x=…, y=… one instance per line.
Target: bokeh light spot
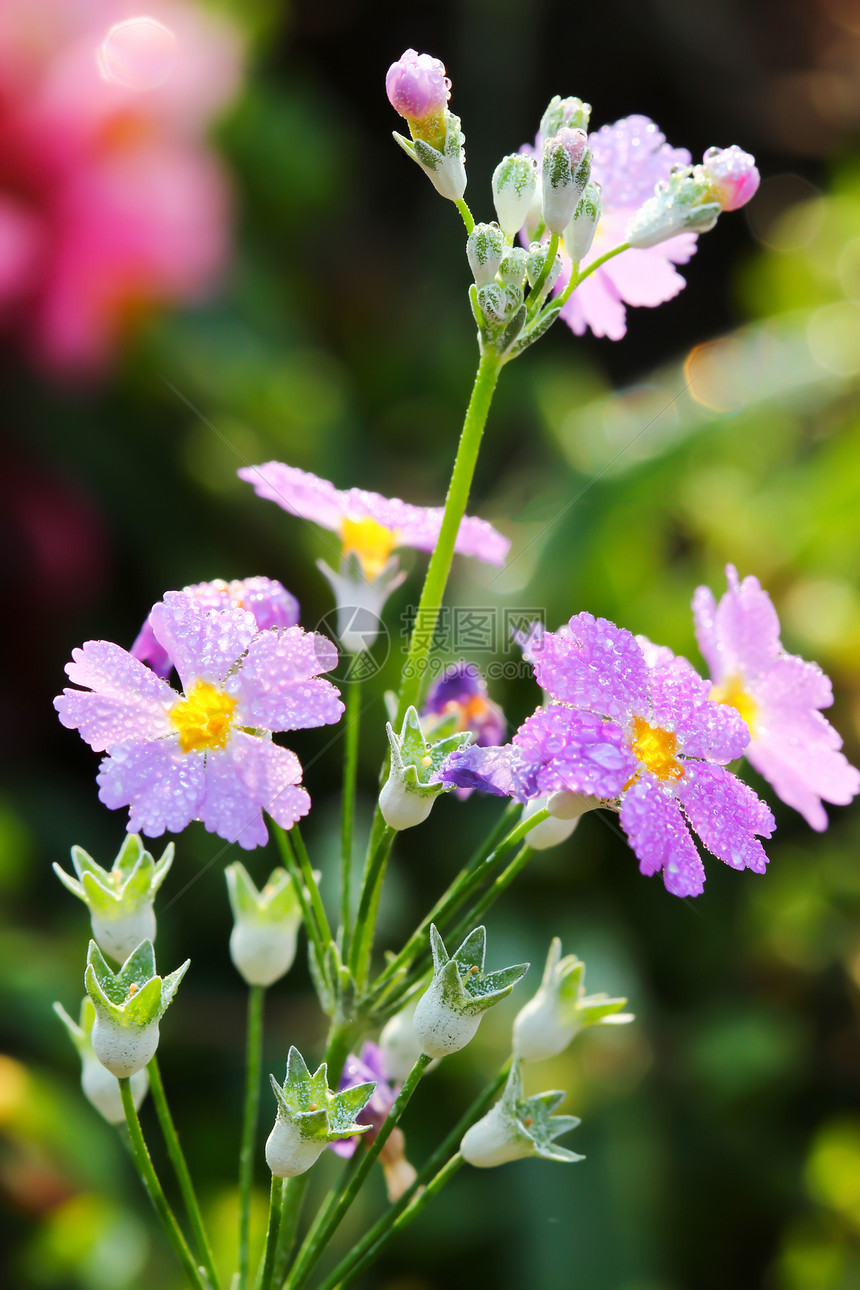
x=139, y=54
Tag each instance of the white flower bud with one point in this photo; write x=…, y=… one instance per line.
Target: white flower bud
x=101, y=1089
x=492, y=302
x=441, y=1030
x=565, y=170
x=535, y=260
x=512, y=269
x=579, y=234
x=560, y=1009
x=263, y=952
x=682, y=204
x=514, y=186
x=492, y=1141
x=399, y=1046
x=549, y=833
x=485, y=247
x=288, y=1153
x=124, y=1050
x=401, y=807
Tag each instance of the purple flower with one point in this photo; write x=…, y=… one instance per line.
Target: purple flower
x=417, y=86
x=359, y=1070
x=778, y=695
x=631, y=724
x=733, y=175
x=270, y=603
x=204, y=754
x=461, y=693
x=370, y=526
x=628, y=159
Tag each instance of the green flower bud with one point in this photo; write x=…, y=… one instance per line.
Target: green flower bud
x=310, y=1116
x=517, y=1127
x=129, y=1005
x=266, y=927
x=412, y=786
x=448, y=1014
x=560, y=1009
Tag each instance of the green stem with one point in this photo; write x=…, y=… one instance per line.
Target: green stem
x=537, y=290
x=368, y=904
x=153, y=1186
x=468, y=217
x=180, y=1168
x=263, y=1279
x=576, y=277
x=293, y=868
x=292, y=1199
x=370, y=1245
x=504, y=880
x=312, y=887
x=322, y=1231
x=253, y=1066
x=461, y=888
x=455, y=508
x=350, y=767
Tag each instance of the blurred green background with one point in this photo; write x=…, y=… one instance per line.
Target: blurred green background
x=722, y=1129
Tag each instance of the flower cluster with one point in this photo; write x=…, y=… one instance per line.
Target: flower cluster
x=110, y=199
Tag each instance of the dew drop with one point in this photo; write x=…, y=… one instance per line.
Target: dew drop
x=138, y=54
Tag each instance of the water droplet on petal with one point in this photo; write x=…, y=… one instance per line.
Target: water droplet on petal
x=139, y=54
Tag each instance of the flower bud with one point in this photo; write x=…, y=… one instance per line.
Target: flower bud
x=399, y=1045
x=413, y=783
x=484, y=249
x=549, y=833
x=682, y=204
x=419, y=90
x=310, y=1117
x=265, y=931
x=443, y=161
x=560, y=1009
x=493, y=303
x=121, y=899
x=732, y=174
x=565, y=171
x=128, y=1007
x=535, y=260
x=517, y=1127
x=579, y=233
x=514, y=186
x=100, y=1088
x=512, y=269
x=561, y=112
x=448, y=1014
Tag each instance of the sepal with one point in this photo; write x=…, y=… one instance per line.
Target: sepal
x=571, y=112
x=120, y=899
x=448, y=1014
x=579, y=234
x=565, y=171
x=412, y=786
x=128, y=1005
x=517, y=1127
x=561, y=1008
x=360, y=600
x=266, y=924
x=683, y=203
x=446, y=169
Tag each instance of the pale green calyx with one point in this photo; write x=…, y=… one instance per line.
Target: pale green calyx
x=413, y=779
x=683, y=203
x=120, y=899
x=266, y=924
x=519, y=1126
x=128, y=1006
x=310, y=1116
x=579, y=234
x=561, y=1008
x=446, y=169
x=100, y=1087
x=448, y=1014
x=569, y=111
x=360, y=600
x=485, y=247
x=515, y=181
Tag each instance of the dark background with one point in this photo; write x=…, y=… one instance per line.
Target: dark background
x=722, y=1129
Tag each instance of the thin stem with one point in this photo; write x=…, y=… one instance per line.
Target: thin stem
x=461, y=888
x=312, y=886
x=350, y=767
x=180, y=1168
x=263, y=1278
x=365, y=919
x=293, y=868
x=577, y=277
x=156, y=1194
x=537, y=290
x=468, y=217
x=253, y=1065
x=322, y=1231
x=504, y=880
x=292, y=1199
x=368, y=1248
x=439, y=567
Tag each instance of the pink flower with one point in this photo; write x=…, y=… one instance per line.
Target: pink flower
x=779, y=696
x=110, y=200
x=206, y=753
x=733, y=175
x=417, y=86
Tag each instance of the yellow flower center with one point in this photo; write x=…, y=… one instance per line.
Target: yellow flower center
x=370, y=541
x=655, y=748
x=732, y=692
x=203, y=718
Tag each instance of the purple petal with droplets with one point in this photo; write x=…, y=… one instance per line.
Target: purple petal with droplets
x=277, y=684
x=203, y=644
x=125, y=701
x=592, y=665
x=680, y=703
x=660, y=838
x=488, y=769
x=162, y=786
x=726, y=815
x=576, y=751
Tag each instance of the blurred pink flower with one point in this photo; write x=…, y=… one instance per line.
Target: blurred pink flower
x=110, y=199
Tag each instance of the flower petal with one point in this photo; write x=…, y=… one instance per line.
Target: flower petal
x=680, y=704
x=592, y=664
x=747, y=627
x=660, y=838
x=488, y=769
x=125, y=701
x=804, y=770
x=726, y=815
x=203, y=644
x=271, y=776
x=162, y=785
x=276, y=683
x=705, y=621
x=576, y=751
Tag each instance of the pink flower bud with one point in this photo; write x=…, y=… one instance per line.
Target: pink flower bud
x=732, y=175
x=575, y=144
x=417, y=86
